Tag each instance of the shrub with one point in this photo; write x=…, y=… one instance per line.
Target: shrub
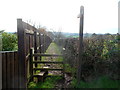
x=100, y=55
x=9, y=42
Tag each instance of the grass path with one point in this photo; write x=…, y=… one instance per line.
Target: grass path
x=53, y=49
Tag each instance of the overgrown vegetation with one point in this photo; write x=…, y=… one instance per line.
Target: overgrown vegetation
x=100, y=56
x=48, y=83
x=101, y=82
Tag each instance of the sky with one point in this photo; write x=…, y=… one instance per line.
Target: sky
x=100, y=16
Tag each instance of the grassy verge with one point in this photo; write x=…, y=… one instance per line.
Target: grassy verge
x=48, y=83
x=102, y=82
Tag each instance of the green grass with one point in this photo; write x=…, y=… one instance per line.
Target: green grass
x=69, y=69
x=48, y=83
x=59, y=59
x=55, y=47
x=102, y=82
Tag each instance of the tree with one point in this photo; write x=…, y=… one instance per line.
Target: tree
x=9, y=41
x=1, y=31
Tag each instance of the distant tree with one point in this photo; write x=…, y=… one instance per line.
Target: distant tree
x=1, y=31
x=94, y=34
x=107, y=34
x=86, y=35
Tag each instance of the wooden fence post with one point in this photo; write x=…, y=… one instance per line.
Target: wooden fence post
x=119, y=17
x=1, y=71
x=43, y=43
x=35, y=45
x=31, y=63
x=0, y=62
x=21, y=54
x=80, y=44
x=40, y=44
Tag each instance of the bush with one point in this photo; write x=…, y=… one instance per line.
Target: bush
x=9, y=42
x=100, y=56
x=101, y=82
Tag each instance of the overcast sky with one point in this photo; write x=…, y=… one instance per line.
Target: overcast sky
x=100, y=16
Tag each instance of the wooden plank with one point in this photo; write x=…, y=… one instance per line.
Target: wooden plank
x=16, y=76
x=21, y=53
x=40, y=46
x=48, y=69
x=35, y=46
x=31, y=63
x=26, y=44
x=31, y=32
x=41, y=73
x=45, y=67
x=4, y=72
x=54, y=75
x=40, y=76
x=47, y=55
x=8, y=61
x=28, y=26
x=27, y=56
x=12, y=69
x=53, y=62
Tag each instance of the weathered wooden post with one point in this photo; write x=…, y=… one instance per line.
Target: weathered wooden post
x=119, y=17
x=31, y=63
x=21, y=54
x=80, y=43
x=0, y=62
x=40, y=44
x=35, y=46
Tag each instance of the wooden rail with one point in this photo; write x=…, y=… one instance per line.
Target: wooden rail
x=45, y=68
x=56, y=69
x=46, y=55
x=44, y=62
